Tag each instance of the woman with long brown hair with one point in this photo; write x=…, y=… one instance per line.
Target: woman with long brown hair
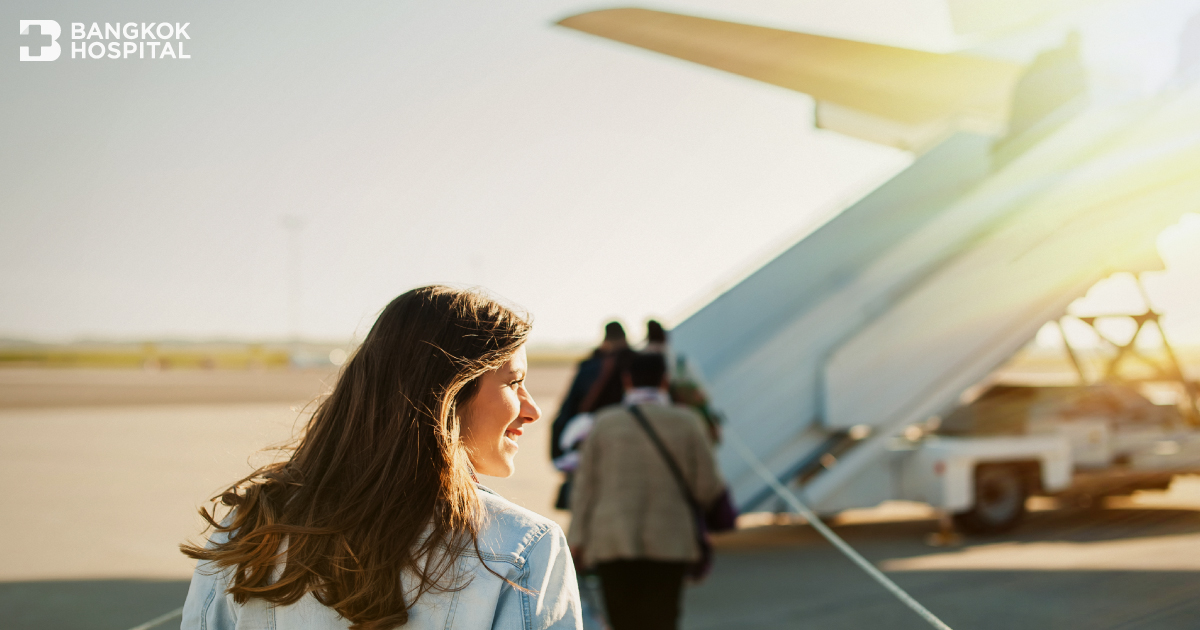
x=376, y=521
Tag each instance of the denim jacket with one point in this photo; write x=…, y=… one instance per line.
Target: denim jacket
x=528, y=549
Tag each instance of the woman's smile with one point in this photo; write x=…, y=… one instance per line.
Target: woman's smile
x=493, y=419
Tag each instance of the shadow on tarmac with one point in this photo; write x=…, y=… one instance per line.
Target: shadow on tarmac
x=789, y=577
x=88, y=604
x=786, y=576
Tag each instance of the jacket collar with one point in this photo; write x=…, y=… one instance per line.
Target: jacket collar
x=647, y=395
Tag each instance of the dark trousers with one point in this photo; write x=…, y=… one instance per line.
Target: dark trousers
x=642, y=594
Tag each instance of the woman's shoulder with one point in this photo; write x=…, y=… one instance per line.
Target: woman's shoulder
x=509, y=531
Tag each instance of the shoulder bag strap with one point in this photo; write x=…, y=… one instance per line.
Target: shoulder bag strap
x=666, y=455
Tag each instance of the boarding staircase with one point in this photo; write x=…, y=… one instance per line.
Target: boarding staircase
x=1025, y=190
x=1020, y=197
x=883, y=316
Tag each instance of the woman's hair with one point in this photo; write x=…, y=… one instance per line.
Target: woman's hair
x=655, y=333
x=376, y=502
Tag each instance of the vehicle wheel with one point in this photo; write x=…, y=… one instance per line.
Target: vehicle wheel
x=1000, y=493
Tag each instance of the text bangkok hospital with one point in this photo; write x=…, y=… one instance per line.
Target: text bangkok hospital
x=145, y=40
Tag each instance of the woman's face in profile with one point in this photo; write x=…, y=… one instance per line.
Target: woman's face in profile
x=492, y=420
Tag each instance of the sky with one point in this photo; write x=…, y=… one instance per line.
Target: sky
x=463, y=142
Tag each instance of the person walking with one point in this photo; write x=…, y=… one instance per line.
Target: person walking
x=597, y=384
x=376, y=520
x=631, y=520
x=683, y=384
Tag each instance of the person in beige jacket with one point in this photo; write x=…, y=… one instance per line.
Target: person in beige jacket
x=631, y=522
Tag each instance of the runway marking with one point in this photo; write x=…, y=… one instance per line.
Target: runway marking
x=178, y=612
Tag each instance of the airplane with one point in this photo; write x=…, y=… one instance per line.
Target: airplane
x=1026, y=188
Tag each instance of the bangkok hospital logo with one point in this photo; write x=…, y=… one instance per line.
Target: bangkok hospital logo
x=144, y=40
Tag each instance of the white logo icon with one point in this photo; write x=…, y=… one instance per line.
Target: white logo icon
x=46, y=52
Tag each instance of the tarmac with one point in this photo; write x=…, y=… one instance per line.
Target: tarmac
x=102, y=472
x=1116, y=568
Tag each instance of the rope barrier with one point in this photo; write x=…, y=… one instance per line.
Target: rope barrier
x=796, y=504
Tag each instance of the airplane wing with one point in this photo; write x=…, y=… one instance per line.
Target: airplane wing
x=894, y=96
